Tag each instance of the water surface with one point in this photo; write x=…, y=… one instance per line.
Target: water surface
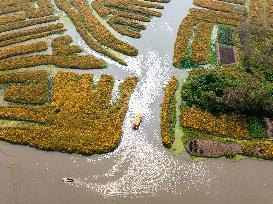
x=140, y=170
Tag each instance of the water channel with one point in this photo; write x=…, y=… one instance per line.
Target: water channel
x=140, y=170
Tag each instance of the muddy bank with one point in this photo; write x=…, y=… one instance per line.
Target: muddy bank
x=212, y=148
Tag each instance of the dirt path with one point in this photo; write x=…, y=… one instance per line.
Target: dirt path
x=178, y=146
x=269, y=127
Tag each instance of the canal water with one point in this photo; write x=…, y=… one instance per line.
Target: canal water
x=140, y=170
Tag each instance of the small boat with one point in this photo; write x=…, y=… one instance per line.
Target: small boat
x=68, y=180
x=137, y=121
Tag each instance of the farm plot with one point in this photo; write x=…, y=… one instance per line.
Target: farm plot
x=60, y=111
x=24, y=20
x=78, y=117
x=221, y=14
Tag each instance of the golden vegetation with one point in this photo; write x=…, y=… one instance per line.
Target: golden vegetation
x=78, y=119
x=61, y=46
x=219, y=6
x=21, y=24
x=201, y=43
x=23, y=49
x=44, y=7
x=260, y=149
x=12, y=18
x=93, y=32
x=32, y=33
x=71, y=62
x=260, y=12
x=223, y=124
x=182, y=39
x=33, y=88
x=168, y=116
x=127, y=16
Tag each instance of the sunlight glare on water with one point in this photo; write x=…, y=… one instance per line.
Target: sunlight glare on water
x=142, y=165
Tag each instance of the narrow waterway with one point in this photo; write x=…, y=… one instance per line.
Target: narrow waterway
x=140, y=170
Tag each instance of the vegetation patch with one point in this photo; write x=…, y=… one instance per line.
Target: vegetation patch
x=78, y=119
x=168, y=114
x=30, y=87
x=201, y=43
x=229, y=90
x=256, y=127
x=72, y=62
x=127, y=16
x=222, y=124
x=228, y=110
x=225, y=35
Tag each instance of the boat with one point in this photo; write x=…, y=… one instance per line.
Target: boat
x=68, y=180
x=137, y=121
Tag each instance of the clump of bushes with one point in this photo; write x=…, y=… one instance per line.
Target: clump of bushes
x=229, y=90
x=256, y=127
x=225, y=35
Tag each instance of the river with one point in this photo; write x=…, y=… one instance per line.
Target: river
x=140, y=170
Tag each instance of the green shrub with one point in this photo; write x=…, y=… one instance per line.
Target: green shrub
x=228, y=91
x=256, y=127
x=225, y=35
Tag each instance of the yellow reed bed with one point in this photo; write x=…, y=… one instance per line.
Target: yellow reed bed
x=78, y=119
x=201, y=43
x=223, y=124
x=71, y=62
x=127, y=16
x=30, y=87
x=168, y=116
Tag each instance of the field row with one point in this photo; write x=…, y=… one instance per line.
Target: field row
x=10, y=6
x=128, y=20
x=168, y=113
x=128, y=17
x=220, y=6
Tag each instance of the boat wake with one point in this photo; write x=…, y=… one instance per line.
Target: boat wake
x=141, y=165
